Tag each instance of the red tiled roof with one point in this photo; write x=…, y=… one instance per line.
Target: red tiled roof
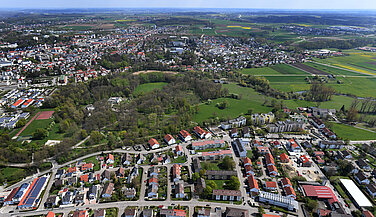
x=199, y=130
x=269, y=159
x=168, y=137
x=271, y=184
x=367, y=213
x=286, y=181
x=284, y=157
x=247, y=160
x=304, y=159
x=289, y=191
x=153, y=141
x=252, y=182
x=84, y=178
x=184, y=133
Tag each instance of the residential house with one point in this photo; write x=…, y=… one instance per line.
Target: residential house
x=361, y=178
x=172, y=213
x=140, y=158
x=81, y=213
x=185, y=136
x=269, y=159
x=286, y=182
x=169, y=139
x=120, y=173
x=293, y=146
x=176, y=172
x=86, y=166
x=235, y=212
x=129, y=192
x=152, y=191
x=285, y=126
x=269, y=185
x=153, y=143
x=363, y=164
x=67, y=198
x=246, y=132
x=107, y=190
x=196, y=165
x=272, y=170
x=253, y=186
x=367, y=213
x=52, y=201
x=234, y=132
x=324, y=144
x=201, y=133
x=239, y=148
x=80, y=198
x=99, y=212
x=110, y=159
x=317, y=123
x=232, y=195
x=179, y=150
x=130, y=212
x=328, y=133
x=200, y=185
x=262, y=119
x=203, y=212
x=344, y=154
x=92, y=192
x=284, y=158
x=153, y=171
x=371, y=188
x=148, y=213
x=305, y=161
x=263, y=150
x=290, y=192
x=127, y=159
x=247, y=161
x=249, y=170
x=179, y=190
x=106, y=176
x=84, y=178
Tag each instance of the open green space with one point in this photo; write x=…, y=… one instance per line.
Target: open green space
x=12, y=174
x=79, y=28
x=287, y=69
x=336, y=103
x=249, y=99
x=93, y=160
x=148, y=87
x=210, y=165
x=220, y=183
x=35, y=125
x=260, y=71
x=352, y=133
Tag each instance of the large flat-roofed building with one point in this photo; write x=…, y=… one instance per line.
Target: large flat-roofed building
x=357, y=195
x=239, y=148
x=30, y=199
x=278, y=200
x=208, y=144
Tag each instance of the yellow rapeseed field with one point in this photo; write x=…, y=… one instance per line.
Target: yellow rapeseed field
x=355, y=69
x=242, y=27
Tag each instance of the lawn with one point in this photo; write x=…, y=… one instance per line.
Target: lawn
x=148, y=87
x=287, y=69
x=93, y=160
x=35, y=125
x=210, y=165
x=249, y=99
x=337, y=102
x=12, y=174
x=352, y=133
x=220, y=183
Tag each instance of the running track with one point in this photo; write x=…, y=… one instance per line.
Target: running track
x=23, y=128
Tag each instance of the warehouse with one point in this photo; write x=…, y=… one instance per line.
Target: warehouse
x=359, y=198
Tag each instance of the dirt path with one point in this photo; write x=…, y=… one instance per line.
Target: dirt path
x=150, y=71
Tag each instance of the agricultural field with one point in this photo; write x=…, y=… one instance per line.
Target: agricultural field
x=352, y=133
x=288, y=83
x=249, y=99
x=148, y=87
x=361, y=62
x=288, y=69
x=260, y=71
x=332, y=70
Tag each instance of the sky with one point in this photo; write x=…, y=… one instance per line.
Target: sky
x=256, y=4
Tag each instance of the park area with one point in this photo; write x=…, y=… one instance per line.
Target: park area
x=148, y=87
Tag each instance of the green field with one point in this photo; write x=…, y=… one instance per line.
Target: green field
x=250, y=99
x=288, y=83
x=35, y=125
x=352, y=133
x=12, y=174
x=260, y=71
x=356, y=60
x=148, y=87
x=78, y=28
x=359, y=86
x=336, y=103
x=287, y=69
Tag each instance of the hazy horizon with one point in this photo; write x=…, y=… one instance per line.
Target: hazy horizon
x=193, y=4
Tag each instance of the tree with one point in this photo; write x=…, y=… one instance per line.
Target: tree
x=352, y=114
x=39, y=134
x=311, y=204
x=83, y=134
x=95, y=137
x=320, y=92
x=233, y=183
x=22, y=122
x=212, y=184
x=227, y=163
x=207, y=192
x=195, y=176
x=261, y=211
